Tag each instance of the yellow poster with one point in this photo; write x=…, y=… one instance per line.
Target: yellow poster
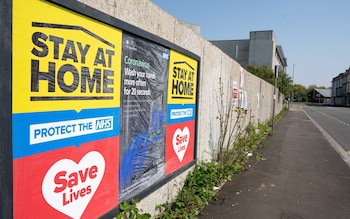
x=182, y=84
x=63, y=60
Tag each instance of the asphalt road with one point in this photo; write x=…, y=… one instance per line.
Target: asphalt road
x=334, y=120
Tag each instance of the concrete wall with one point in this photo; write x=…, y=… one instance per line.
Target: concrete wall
x=214, y=65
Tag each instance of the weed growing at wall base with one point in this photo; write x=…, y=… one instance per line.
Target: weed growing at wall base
x=130, y=211
x=202, y=183
x=236, y=147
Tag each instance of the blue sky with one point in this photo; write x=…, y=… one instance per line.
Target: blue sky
x=314, y=34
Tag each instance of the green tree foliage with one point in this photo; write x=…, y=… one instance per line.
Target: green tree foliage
x=262, y=72
x=300, y=93
x=284, y=82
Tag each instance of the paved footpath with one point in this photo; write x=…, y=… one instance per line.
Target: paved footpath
x=301, y=177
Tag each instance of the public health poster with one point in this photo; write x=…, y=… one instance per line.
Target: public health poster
x=182, y=88
x=66, y=84
x=98, y=115
x=143, y=114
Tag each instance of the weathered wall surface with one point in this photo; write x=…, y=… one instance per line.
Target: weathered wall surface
x=215, y=65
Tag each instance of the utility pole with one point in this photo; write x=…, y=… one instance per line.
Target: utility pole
x=293, y=84
x=274, y=98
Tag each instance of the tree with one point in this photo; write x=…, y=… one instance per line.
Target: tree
x=262, y=72
x=300, y=92
x=284, y=82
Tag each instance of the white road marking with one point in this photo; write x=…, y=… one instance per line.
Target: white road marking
x=343, y=154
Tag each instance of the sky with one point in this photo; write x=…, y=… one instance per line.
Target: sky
x=314, y=34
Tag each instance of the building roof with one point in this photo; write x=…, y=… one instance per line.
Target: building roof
x=324, y=92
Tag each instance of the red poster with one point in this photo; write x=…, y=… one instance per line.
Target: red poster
x=72, y=182
x=179, y=145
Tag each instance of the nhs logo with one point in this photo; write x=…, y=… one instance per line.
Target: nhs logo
x=104, y=123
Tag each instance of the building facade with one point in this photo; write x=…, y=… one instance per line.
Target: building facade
x=341, y=89
x=317, y=95
x=260, y=49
